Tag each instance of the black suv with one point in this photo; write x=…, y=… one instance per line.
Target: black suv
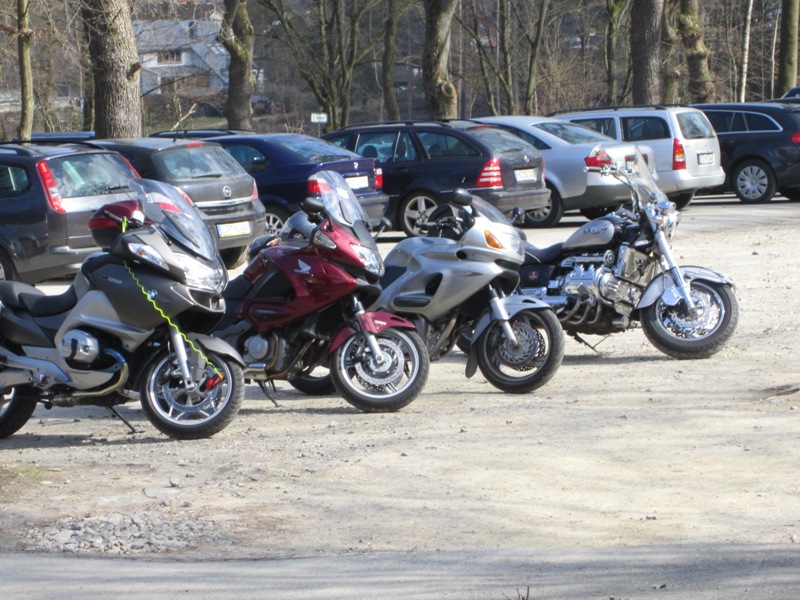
x=760, y=144
x=424, y=161
x=47, y=195
x=223, y=191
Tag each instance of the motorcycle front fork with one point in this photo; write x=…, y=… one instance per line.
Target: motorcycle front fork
x=372, y=341
x=674, y=272
x=500, y=313
x=182, y=357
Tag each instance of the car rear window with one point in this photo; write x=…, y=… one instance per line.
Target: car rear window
x=606, y=126
x=499, y=140
x=95, y=174
x=312, y=150
x=572, y=133
x=438, y=145
x=635, y=129
x=694, y=125
x=192, y=162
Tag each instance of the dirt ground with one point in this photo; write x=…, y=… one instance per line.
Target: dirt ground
x=624, y=447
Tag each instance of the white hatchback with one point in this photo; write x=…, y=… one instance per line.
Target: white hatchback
x=565, y=147
x=685, y=144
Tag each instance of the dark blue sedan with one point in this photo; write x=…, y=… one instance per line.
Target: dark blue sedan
x=281, y=163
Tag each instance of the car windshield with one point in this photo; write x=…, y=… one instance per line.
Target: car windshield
x=92, y=174
x=572, y=133
x=166, y=207
x=313, y=150
x=195, y=162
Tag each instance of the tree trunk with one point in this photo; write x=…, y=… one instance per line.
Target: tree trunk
x=115, y=68
x=25, y=71
x=741, y=87
x=670, y=74
x=441, y=96
x=533, y=58
x=387, y=62
x=614, y=11
x=701, y=81
x=237, y=36
x=646, y=18
x=787, y=61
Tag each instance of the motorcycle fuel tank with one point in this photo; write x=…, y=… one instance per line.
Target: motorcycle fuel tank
x=595, y=234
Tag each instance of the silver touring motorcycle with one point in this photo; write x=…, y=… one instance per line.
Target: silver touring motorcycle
x=619, y=269
x=459, y=280
x=130, y=326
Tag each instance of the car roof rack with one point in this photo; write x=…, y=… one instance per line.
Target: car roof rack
x=662, y=106
x=439, y=122
x=199, y=133
x=18, y=149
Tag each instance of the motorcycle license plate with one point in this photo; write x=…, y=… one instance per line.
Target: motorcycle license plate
x=705, y=158
x=525, y=174
x=358, y=183
x=226, y=230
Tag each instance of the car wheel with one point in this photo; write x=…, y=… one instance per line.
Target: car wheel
x=548, y=215
x=233, y=257
x=7, y=270
x=792, y=194
x=753, y=182
x=682, y=200
x=276, y=217
x=416, y=207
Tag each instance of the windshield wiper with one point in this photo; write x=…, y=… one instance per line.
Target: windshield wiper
x=214, y=175
x=116, y=188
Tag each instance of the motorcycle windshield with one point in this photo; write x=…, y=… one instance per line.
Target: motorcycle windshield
x=165, y=207
x=342, y=206
x=642, y=180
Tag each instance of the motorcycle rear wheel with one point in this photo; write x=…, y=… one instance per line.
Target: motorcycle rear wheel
x=191, y=416
x=313, y=383
x=388, y=387
x=676, y=334
x=16, y=407
x=524, y=368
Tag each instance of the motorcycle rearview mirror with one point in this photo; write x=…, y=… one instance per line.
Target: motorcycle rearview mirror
x=517, y=216
x=461, y=197
x=384, y=225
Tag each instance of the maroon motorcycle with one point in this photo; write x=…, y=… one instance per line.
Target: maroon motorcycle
x=299, y=308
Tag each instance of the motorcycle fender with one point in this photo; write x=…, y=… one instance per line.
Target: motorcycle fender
x=373, y=321
x=512, y=305
x=659, y=286
x=216, y=345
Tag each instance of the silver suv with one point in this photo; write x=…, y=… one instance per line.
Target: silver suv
x=686, y=147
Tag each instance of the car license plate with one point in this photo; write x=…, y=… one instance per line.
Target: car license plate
x=705, y=158
x=525, y=174
x=358, y=183
x=226, y=230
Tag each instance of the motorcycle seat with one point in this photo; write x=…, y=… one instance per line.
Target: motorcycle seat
x=543, y=255
x=17, y=295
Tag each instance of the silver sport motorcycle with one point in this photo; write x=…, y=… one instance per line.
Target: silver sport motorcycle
x=131, y=326
x=459, y=280
x=619, y=270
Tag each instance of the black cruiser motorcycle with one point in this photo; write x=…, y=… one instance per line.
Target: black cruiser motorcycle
x=619, y=270
x=130, y=326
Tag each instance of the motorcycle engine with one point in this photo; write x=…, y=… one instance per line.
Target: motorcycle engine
x=80, y=347
x=595, y=278
x=268, y=350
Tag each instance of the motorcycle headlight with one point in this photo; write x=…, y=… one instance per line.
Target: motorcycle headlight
x=202, y=276
x=371, y=259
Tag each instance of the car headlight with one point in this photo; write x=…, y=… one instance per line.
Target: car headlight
x=371, y=259
x=200, y=275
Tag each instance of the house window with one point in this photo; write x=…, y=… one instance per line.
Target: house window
x=169, y=57
x=62, y=90
x=168, y=85
x=200, y=81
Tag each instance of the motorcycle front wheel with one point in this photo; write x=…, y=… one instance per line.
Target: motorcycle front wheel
x=530, y=364
x=192, y=414
x=676, y=333
x=16, y=407
x=385, y=384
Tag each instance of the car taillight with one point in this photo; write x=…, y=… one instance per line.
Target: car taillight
x=378, y=178
x=598, y=157
x=491, y=175
x=127, y=162
x=678, y=155
x=795, y=137
x=254, y=195
x=312, y=186
x=50, y=187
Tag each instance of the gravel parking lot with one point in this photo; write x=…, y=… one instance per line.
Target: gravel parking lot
x=624, y=447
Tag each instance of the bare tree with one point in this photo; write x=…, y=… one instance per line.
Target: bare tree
x=25, y=72
x=115, y=68
x=646, y=22
x=701, y=81
x=237, y=34
x=441, y=94
x=615, y=10
x=787, y=61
